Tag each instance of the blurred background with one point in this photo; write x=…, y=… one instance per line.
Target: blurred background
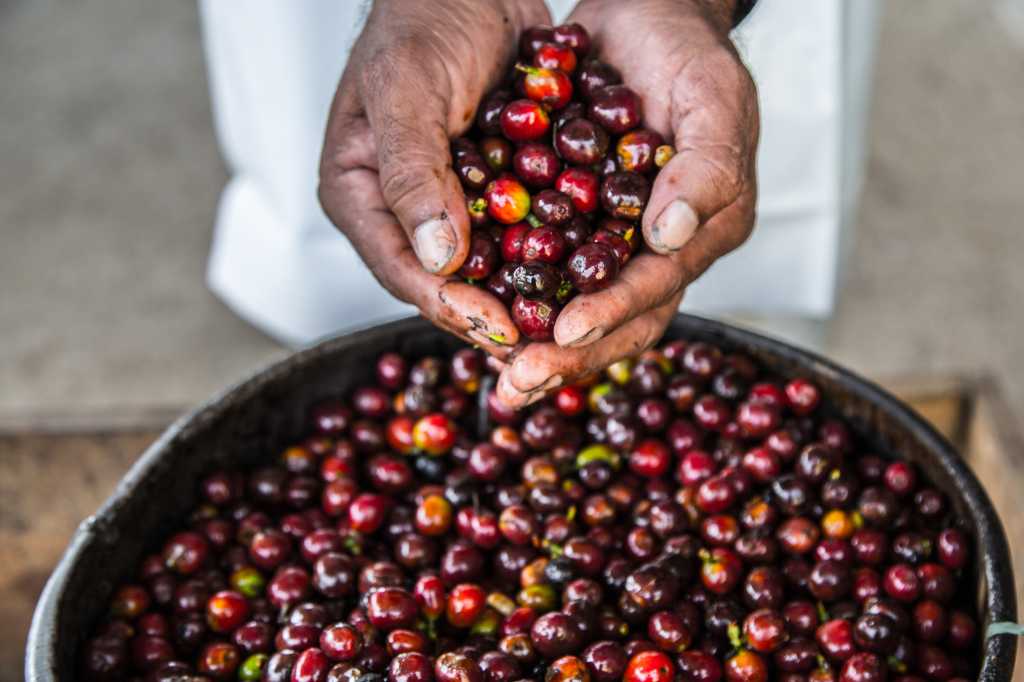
x=110, y=175
x=109, y=180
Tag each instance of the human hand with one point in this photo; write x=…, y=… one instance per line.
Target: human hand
x=695, y=91
x=413, y=81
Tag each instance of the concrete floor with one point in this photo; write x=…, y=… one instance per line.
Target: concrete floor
x=109, y=177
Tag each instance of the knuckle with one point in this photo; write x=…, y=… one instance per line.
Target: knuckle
x=621, y=299
x=744, y=225
x=336, y=162
x=718, y=83
x=389, y=62
x=649, y=335
x=401, y=182
x=718, y=70
x=383, y=272
x=345, y=153
x=725, y=170
x=332, y=190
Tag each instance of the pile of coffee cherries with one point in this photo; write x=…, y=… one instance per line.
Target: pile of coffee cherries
x=557, y=172
x=681, y=517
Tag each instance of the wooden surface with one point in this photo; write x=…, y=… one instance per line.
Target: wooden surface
x=55, y=472
x=48, y=484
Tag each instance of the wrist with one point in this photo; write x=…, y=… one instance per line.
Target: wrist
x=719, y=15
x=720, y=12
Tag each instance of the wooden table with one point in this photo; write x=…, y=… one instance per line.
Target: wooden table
x=55, y=472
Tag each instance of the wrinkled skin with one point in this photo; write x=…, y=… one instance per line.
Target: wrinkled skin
x=413, y=81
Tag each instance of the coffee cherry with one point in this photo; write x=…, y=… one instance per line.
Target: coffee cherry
x=802, y=396
x=341, y=642
x=651, y=458
x=592, y=267
x=649, y=666
x=465, y=604
x=668, y=631
x=625, y=194
x=952, y=548
x=550, y=87
x=544, y=244
x=410, y=667
x=556, y=634
x=508, y=201
x=581, y=142
x=746, y=666
x=226, y=611
x=901, y=583
x=721, y=570
x=581, y=186
x=185, y=553
x=573, y=36
x=533, y=38
x=500, y=283
x=765, y=630
x=616, y=108
x=635, y=150
x=433, y=515
x=536, y=281
x=835, y=638
x=536, y=165
x=863, y=667
x=555, y=56
x=481, y=260
x=469, y=165
x=698, y=666
x=553, y=208
x=535, y=319
x=389, y=608
x=497, y=152
x=524, y=120
x=219, y=660
x=434, y=434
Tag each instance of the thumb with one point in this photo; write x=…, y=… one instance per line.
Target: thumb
x=716, y=126
x=408, y=114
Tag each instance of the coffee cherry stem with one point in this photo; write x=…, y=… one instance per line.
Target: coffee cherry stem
x=353, y=543
x=429, y=627
x=896, y=664
x=564, y=289
x=552, y=548
x=533, y=220
x=822, y=612
x=736, y=639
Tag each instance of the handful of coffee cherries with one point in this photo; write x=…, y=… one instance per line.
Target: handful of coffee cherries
x=557, y=172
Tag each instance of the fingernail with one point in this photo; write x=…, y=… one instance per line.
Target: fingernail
x=553, y=381
x=532, y=397
x=542, y=390
x=674, y=227
x=434, y=241
x=589, y=336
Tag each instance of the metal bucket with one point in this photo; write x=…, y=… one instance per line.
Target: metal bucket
x=268, y=410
